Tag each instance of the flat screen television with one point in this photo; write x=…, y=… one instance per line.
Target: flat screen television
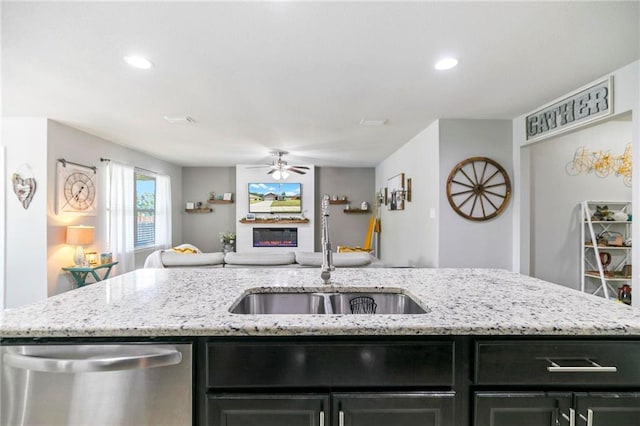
x=270, y=197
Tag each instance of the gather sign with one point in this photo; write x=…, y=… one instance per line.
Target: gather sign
x=576, y=109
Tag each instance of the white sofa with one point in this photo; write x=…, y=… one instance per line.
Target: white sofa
x=171, y=259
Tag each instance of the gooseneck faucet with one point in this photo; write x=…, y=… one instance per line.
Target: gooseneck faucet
x=327, y=256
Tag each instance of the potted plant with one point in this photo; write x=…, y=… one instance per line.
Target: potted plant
x=228, y=240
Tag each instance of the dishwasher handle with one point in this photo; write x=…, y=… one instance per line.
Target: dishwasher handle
x=153, y=357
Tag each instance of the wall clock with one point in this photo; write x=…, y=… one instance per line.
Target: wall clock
x=76, y=189
x=478, y=188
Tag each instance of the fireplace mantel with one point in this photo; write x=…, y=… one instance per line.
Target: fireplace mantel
x=273, y=221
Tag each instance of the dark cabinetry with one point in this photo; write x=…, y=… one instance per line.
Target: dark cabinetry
x=576, y=383
x=329, y=383
x=425, y=381
x=521, y=408
x=549, y=408
x=339, y=409
x=404, y=409
x=266, y=410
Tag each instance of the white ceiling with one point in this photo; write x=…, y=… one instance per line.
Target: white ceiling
x=299, y=76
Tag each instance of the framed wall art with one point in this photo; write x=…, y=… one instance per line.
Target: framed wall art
x=396, y=192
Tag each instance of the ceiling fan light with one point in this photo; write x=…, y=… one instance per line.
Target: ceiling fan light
x=284, y=174
x=276, y=175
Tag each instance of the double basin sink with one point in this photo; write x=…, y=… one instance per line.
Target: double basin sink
x=365, y=302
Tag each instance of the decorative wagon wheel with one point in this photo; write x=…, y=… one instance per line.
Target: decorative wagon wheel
x=478, y=188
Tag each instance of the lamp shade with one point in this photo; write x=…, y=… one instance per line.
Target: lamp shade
x=80, y=235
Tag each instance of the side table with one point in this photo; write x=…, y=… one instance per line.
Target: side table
x=80, y=273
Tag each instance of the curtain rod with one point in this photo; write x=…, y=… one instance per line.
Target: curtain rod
x=107, y=160
x=64, y=164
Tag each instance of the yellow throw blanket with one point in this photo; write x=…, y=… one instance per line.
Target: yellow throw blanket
x=185, y=250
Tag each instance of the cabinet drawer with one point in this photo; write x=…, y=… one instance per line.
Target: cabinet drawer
x=603, y=362
x=329, y=364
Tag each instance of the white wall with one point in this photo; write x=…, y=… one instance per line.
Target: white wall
x=466, y=243
x=3, y=204
x=626, y=97
x=80, y=147
x=25, y=140
x=555, y=197
x=409, y=237
x=246, y=174
x=203, y=229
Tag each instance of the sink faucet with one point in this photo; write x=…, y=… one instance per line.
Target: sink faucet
x=327, y=256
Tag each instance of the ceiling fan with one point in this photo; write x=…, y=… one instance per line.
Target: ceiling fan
x=280, y=169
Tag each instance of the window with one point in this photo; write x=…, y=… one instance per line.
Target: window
x=145, y=210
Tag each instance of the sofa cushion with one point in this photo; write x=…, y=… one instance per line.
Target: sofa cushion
x=340, y=260
x=171, y=258
x=259, y=259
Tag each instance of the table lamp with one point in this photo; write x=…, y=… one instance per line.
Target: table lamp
x=79, y=235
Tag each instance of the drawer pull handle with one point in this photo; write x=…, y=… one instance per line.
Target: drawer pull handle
x=596, y=368
x=571, y=418
x=321, y=418
x=341, y=418
x=589, y=418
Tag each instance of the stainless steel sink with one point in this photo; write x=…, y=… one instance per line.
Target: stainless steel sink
x=378, y=303
x=281, y=303
x=327, y=303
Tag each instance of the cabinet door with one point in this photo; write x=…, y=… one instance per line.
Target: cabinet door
x=397, y=409
x=522, y=409
x=266, y=410
x=608, y=409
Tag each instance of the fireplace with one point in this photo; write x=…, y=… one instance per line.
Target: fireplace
x=275, y=237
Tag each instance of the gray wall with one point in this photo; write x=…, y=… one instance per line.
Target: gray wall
x=556, y=196
x=39, y=231
x=203, y=229
x=465, y=243
x=358, y=185
x=80, y=147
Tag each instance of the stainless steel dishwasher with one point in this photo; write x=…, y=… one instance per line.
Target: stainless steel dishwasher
x=96, y=384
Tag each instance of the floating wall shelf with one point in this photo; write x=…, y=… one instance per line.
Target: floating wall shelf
x=203, y=210
x=274, y=221
x=355, y=211
x=220, y=202
x=338, y=201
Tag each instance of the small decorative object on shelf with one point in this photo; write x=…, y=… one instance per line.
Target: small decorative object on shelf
x=92, y=258
x=106, y=258
x=624, y=294
x=338, y=200
x=225, y=198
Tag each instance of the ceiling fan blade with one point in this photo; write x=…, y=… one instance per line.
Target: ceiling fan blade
x=300, y=172
x=300, y=167
x=259, y=167
x=271, y=171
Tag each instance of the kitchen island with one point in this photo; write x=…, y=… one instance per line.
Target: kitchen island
x=196, y=302
x=494, y=348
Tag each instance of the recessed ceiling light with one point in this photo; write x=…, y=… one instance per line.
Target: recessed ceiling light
x=446, y=64
x=179, y=119
x=138, y=62
x=365, y=122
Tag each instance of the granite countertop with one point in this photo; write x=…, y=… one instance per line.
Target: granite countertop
x=196, y=302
